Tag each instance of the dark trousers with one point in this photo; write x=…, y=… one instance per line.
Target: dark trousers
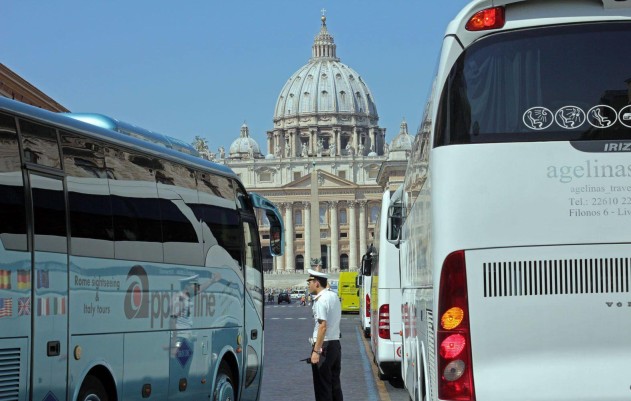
x=326, y=374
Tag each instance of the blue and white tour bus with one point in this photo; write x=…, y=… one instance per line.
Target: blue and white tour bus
x=130, y=269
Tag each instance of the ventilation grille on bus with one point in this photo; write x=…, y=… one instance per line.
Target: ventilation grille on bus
x=9, y=374
x=556, y=277
x=432, y=351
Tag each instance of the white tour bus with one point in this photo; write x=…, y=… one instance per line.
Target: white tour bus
x=515, y=246
x=385, y=299
x=130, y=270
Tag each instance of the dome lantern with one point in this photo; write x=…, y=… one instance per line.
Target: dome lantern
x=323, y=44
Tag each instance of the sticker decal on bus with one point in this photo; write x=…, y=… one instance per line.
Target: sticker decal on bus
x=602, y=116
x=570, y=117
x=625, y=116
x=137, y=297
x=5, y=279
x=184, y=351
x=24, y=306
x=538, y=118
x=6, y=307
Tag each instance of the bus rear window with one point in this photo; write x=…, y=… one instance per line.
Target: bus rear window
x=561, y=83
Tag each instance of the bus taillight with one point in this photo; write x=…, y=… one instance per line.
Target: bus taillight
x=384, y=321
x=367, y=305
x=491, y=18
x=453, y=335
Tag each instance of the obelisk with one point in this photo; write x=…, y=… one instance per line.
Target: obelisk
x=315, y=217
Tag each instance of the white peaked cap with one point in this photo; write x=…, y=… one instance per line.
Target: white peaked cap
x=314, y=273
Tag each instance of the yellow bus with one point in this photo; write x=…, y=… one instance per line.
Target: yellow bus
x=348, y=292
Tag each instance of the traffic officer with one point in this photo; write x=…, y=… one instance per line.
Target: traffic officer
x=326, y=354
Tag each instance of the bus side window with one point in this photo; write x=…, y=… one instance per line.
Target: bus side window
x=12, y=201
x=216, y=185
x=39, y=144
x=181, y=230
x=90, y=207
x=135, y=205
x=221, y=225
x=243, y=200
x=252, y=247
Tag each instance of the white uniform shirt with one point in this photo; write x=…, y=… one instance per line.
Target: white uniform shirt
x=326, y=306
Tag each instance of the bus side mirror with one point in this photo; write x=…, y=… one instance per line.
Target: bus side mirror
x=275, y=241
x=275, y=233
x=366, y=265
x=394, y=224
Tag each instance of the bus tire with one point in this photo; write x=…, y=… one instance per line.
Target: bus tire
x=224, y=390
x=92, y=390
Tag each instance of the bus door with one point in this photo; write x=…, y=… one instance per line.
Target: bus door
x=49, y=301
x=253, y=327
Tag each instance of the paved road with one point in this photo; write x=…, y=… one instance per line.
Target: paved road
x=287, y=328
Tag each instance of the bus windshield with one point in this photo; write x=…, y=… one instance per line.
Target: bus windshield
x=529, y=85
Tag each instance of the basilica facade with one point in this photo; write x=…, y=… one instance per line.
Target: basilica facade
x=326, y=163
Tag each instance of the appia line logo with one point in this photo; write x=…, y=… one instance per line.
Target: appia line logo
x=141, y=303
x=137, y=297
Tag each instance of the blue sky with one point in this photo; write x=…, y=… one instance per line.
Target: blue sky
x=201, y=67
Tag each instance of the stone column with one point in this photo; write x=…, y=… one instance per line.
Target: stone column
x=307, y=234
x=373, y=141
x=280, y=260
x=363, y=227
x=292, y=144
x=329, y=257
x=334, y=261
x=289, y=243
x=352, y=237
x=382, y=134
x=270, y=142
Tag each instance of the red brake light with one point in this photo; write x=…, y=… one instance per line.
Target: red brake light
x=452, y=346
x=453, y=336
x=384, y=321
x=367, y=305
x=491, y=18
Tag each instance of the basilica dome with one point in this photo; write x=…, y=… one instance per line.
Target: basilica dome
x=245, y=146
x=325, y=87
x=403, y=141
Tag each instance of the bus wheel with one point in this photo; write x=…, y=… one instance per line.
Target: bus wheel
x=92, y=390
x=223, y=384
